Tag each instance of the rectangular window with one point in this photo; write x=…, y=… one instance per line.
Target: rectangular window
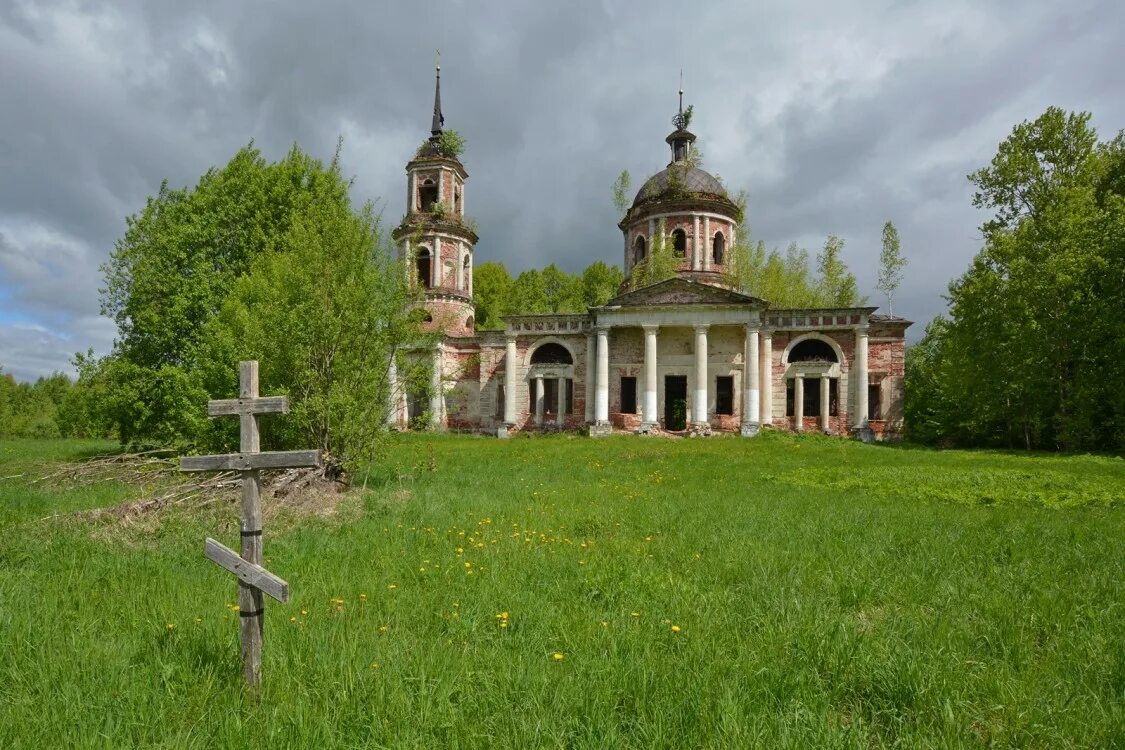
x=789, y=398
x=550, y=397
x=724, y=394
x=531, y=397
x=812, y=397
x=833, y=397
x=499, y=401
x=874, y=407
x=570, y=395
x=629, y=395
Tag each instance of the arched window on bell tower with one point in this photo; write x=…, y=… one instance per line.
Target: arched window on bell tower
x=640, y=248
x=427, y=195
x=424, y=268
x=718, y=248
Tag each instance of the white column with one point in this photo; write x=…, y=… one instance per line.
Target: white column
x=460, y=270
x=590, y=354
x=462, y=199
x=860, y=376
x=733, y=239
x=699, y=412
x=696, y=259
x=824, y=402
x=601, y=401
x=437, y=398
x=765, y=369
x=707, y=244
x=799, y=403
x=651, y=235
x=648, y=410
x=392, y=392
x=441, y=188
x=750, y=377
x=560, y=409
x=539, y=401
x=435, y=263
x=510, y=382
x=413, y=195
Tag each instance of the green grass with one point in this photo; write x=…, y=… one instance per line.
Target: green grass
x=827, y=594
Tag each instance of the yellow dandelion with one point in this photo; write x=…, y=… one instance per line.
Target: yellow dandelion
x=605, y=624
x=374, y=665
x=292, y=619
x=304, y=611
x=171, y=626
x=675, y=628
x=392, y=587
x=199, y=619
x=557, y=656
x=363, y=597
x=634, y=614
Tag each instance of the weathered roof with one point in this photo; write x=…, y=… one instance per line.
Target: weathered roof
x=681, y=291
x=682, y=177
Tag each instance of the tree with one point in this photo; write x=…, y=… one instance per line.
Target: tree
x=325, y=315
x=621, y=191
x=837, y=285
x=1031, y=353
x=599, y=283
x=492, y=294
x=529, y=293
x=232, y=256
x=891, y=264
x=561, y=291
x=660, y=263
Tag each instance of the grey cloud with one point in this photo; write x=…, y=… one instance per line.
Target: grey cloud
x=835, y=117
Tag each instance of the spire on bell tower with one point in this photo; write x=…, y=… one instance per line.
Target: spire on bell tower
x=439, y=119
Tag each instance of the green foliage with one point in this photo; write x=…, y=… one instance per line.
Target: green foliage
x=259, y=260
x=877, y=597
x=1032, y=351
x=661, y=262
x=837, y=285
x=535, y=291
x=621, y=191
x=891, y=264
x=492, y=294
x=450, y=144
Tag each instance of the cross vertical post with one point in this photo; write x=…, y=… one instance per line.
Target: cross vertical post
x=246, y=565
x=251, y=607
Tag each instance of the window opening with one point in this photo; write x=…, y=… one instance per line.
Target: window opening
x=499, y=411
x=422, y=265
x=874, y=402
x=724, y=394
x=679, y=243
x=628, y=395
x=550, y=397
x=570, y=395
x=639, y=249
x=427, y=195
x=813, y=350
x=718, y=248
x=551, y=354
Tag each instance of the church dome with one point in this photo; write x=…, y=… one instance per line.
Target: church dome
x=680, y=181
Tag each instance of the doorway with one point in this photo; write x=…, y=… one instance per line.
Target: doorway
x=675, y=402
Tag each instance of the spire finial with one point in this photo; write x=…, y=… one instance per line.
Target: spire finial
x=439, y=119
x=681, y=91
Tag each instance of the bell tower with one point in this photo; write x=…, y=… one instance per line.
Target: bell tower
x=435, y=238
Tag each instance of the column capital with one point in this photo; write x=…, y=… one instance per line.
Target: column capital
x=650, y=327
x=701, y=327
x=510, y=338
x=751, y=327
x=602, y=330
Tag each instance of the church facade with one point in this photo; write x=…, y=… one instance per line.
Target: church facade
x=686, y=355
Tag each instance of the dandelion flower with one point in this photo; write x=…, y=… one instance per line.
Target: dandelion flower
x=363, y=597
x=557, y=656
x=392, y=587
x=675, y=628
x=171, y=626
x=634, y=614
x=304, y=611
x=292, y=619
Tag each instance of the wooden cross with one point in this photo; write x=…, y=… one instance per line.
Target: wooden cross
x=253, y=579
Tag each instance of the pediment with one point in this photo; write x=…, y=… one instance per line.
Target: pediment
x=678, y=291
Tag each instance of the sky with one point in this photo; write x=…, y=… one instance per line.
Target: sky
x=833, y=117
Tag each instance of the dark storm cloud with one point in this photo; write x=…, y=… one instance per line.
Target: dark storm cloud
x=835, y=117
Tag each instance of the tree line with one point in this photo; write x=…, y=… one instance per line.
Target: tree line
x=1030, y=353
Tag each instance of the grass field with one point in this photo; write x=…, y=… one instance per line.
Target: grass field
x=568, y=592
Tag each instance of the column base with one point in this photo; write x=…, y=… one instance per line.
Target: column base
x=863, y=434
x=749, y=430
x=699, y=429
x=648, y=428
x=601, y=429
x=502, y=432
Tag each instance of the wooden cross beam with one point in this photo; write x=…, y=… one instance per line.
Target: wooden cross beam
x=253, y=579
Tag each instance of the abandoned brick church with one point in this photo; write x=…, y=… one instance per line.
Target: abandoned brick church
x=687, y=354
